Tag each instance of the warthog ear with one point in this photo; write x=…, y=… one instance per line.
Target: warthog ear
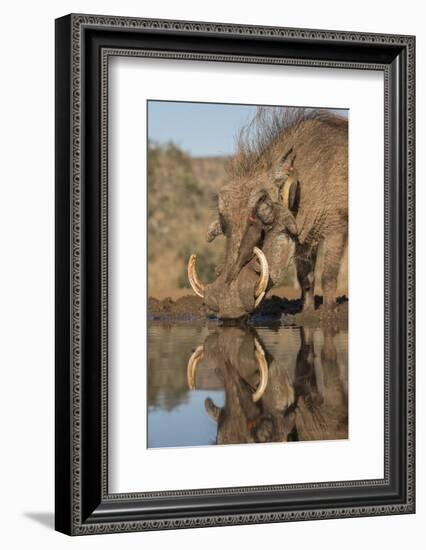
x=290, y=194
x=284, y=167
x=214, y=229
x=212, y=410
x=294, y=196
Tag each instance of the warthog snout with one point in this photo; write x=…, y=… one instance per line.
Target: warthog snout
x=235, y=297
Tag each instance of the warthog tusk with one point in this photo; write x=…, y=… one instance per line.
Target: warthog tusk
x=260, y=290
x=259, y=299
x=195, y=283
x=192, y=365
x=263, y=369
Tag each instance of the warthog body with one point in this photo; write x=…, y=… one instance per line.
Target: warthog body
x=287, y=192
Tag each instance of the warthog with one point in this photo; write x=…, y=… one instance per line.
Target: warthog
x=287, y=192
x=264, y=402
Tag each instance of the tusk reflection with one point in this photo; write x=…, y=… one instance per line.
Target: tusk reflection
x=263, y=369
x=192, y=365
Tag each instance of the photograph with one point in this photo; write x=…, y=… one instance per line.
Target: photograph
x=247, y=261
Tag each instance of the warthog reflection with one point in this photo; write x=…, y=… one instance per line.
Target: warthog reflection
x=267, y=400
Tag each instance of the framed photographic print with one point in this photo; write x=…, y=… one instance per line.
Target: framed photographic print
x=234, y=274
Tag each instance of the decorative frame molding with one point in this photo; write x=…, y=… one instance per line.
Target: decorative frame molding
x=84, y=44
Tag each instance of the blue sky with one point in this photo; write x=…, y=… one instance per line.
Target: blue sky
x=200, y=129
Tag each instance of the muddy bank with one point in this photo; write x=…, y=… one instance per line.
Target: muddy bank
x=186, y=308
x=338, y=319
x=274, y=310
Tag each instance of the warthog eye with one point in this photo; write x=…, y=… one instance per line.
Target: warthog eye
x=265, y=210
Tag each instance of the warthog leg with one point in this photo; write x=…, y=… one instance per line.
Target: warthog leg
x=306, y=257
x=334, y=247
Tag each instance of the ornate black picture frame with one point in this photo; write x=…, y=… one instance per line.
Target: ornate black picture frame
x=83, y=45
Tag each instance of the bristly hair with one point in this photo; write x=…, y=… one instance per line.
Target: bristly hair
x=255, y=144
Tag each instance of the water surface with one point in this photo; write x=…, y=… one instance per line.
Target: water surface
x=245, y=385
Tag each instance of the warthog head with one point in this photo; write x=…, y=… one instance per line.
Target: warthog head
x=240, y=362
x=256, y=216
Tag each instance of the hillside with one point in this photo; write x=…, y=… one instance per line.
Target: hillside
x=181, y=203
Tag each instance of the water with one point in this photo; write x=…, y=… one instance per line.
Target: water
x=245, y=385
